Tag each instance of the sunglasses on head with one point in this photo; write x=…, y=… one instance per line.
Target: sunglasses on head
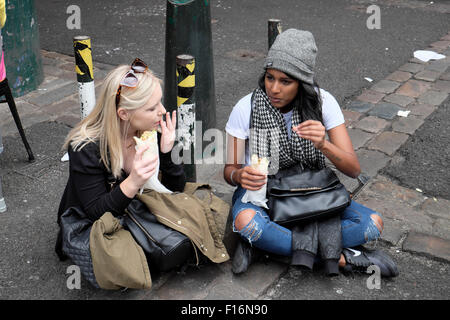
x=130, y=79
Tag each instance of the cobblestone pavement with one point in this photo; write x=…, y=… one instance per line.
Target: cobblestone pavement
x=413, y=223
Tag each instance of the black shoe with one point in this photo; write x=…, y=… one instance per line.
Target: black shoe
x=359, y=259
x=244, y=255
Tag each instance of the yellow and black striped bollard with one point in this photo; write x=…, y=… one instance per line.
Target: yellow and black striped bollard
x=185, y=72
x=85, y=74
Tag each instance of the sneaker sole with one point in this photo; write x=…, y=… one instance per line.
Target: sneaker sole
x=387, y=266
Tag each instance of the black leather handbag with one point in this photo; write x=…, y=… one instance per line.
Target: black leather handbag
x=296, y=194
x=165, y=248
x=75, y=230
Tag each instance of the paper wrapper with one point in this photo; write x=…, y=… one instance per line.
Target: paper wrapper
x=150, y=138
x=258, y=197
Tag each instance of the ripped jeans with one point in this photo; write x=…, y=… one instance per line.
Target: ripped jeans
x=357, y=227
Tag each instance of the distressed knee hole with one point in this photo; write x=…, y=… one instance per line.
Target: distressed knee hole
x=243, y=218
x=378, y=221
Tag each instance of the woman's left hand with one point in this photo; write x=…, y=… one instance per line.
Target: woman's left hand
x=312, y=130
x=168, y=131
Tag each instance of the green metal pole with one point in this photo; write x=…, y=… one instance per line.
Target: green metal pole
x=22, y=48
x=188, y=31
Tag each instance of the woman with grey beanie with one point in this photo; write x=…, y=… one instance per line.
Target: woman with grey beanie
x=289, y=101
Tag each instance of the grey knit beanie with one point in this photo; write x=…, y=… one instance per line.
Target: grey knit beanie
x=294, y=53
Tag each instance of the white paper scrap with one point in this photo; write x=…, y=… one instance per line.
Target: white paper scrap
x=65, y=157
x=401, y=113
x=426, y=55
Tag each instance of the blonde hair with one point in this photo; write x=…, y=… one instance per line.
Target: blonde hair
x=102, y=125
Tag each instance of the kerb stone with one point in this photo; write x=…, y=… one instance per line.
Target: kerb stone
x=359, y=137
x=371, y=124
x=371, y=161
x=434, y=98
x=413, y=88
x=399, y=99
x=427, y=245
x=407, y=125
x=385, y=86
x=388, y=142
x=385, y=110
x=370, y=96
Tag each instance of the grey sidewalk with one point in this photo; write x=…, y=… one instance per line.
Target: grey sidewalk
x=412, y=222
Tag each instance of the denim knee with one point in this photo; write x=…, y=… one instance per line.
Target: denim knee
x=372, y=231
x=253, y=230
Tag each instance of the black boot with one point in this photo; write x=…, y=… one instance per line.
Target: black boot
x=359, y=259
x=244, y=255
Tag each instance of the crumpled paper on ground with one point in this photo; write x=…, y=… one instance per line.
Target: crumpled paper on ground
x=426, y=55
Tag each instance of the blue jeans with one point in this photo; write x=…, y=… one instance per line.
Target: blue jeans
x=357, y=227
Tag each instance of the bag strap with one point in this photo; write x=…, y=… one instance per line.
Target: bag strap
x=252, y=100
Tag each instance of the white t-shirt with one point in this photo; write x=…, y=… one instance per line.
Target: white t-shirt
x=238, y=124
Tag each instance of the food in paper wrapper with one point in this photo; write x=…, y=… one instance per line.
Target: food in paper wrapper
x=150, y=138
x=258, y=197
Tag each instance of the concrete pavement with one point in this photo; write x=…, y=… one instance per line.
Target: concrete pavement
x=415, y=225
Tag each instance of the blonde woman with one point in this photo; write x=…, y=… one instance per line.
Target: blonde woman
x=106, y=171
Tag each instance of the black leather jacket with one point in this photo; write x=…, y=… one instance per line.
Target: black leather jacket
x=324, y=237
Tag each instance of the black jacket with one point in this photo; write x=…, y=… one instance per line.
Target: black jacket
x=324, y=236
x=91, y=188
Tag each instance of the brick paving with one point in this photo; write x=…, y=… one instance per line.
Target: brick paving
x=385, y=110
x=388, y=142
x=398, y=99
x=413, y=88
x=413, y=221
x=371, y=96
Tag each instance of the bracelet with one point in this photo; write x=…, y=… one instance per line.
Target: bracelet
x=231, y=178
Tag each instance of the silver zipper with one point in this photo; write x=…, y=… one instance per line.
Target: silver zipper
x=142, y=228
x=305, y=189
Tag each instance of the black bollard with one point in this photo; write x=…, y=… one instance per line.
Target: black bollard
x=274, y=29
x=188, y=31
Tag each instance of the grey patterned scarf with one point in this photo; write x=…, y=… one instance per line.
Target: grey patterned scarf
x=269, y=137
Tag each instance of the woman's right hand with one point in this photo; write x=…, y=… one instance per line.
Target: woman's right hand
x=250, y=178
x=143, y=168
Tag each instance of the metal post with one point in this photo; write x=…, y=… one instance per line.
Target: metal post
x=188, y=31
x=22, y=48
x=2, y=200
x=6, y=91
x=274, y=29
x=85, y=74
x=185, y=72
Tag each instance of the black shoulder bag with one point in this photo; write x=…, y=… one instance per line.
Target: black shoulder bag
x=164, y=247
x=298, y=194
